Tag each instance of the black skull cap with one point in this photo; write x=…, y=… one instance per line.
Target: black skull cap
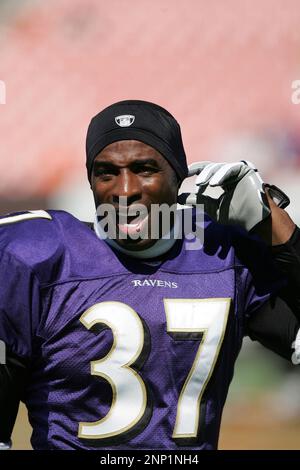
x=137, y=120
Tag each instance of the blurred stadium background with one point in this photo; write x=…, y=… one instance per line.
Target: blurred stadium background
x=224, y=69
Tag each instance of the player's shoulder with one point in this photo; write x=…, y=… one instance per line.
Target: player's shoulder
x=32, y=237
x=250, y=252
x=230, y=245
x=248, y=246
x=216, y=236
x=247, y=254
x=35, y=223
x=206, y=246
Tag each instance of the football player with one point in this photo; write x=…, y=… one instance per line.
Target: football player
x=130, y=341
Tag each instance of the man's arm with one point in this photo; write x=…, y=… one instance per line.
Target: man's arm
x=283, y=235
x=278, y=228
x=276, y=324
x=246, y=202
x=13, y=376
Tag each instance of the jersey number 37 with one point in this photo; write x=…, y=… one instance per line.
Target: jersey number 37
x=205, y=319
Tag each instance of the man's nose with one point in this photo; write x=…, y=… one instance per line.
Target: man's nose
x=127, y=185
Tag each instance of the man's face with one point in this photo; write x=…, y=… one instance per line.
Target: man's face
x=133, y=170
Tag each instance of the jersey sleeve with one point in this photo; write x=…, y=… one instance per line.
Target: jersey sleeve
x=258, y=291
x=275, y=326
x=261, y=278
x=19, y=305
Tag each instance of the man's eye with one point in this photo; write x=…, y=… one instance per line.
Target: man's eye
x=103, y=172
x=146, y=170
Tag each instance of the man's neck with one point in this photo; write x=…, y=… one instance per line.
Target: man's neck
x=159, y=248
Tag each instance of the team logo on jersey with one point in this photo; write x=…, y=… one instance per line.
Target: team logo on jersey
x=125, y=120
x=154, y=283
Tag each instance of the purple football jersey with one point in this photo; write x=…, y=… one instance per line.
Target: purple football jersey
x=124, y=353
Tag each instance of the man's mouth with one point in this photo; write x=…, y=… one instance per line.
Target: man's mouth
x=132, y=225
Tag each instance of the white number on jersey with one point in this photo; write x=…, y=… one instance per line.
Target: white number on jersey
x=206, y=317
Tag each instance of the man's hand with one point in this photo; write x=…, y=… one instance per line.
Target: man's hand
x=277, y=229
x=244, y=201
